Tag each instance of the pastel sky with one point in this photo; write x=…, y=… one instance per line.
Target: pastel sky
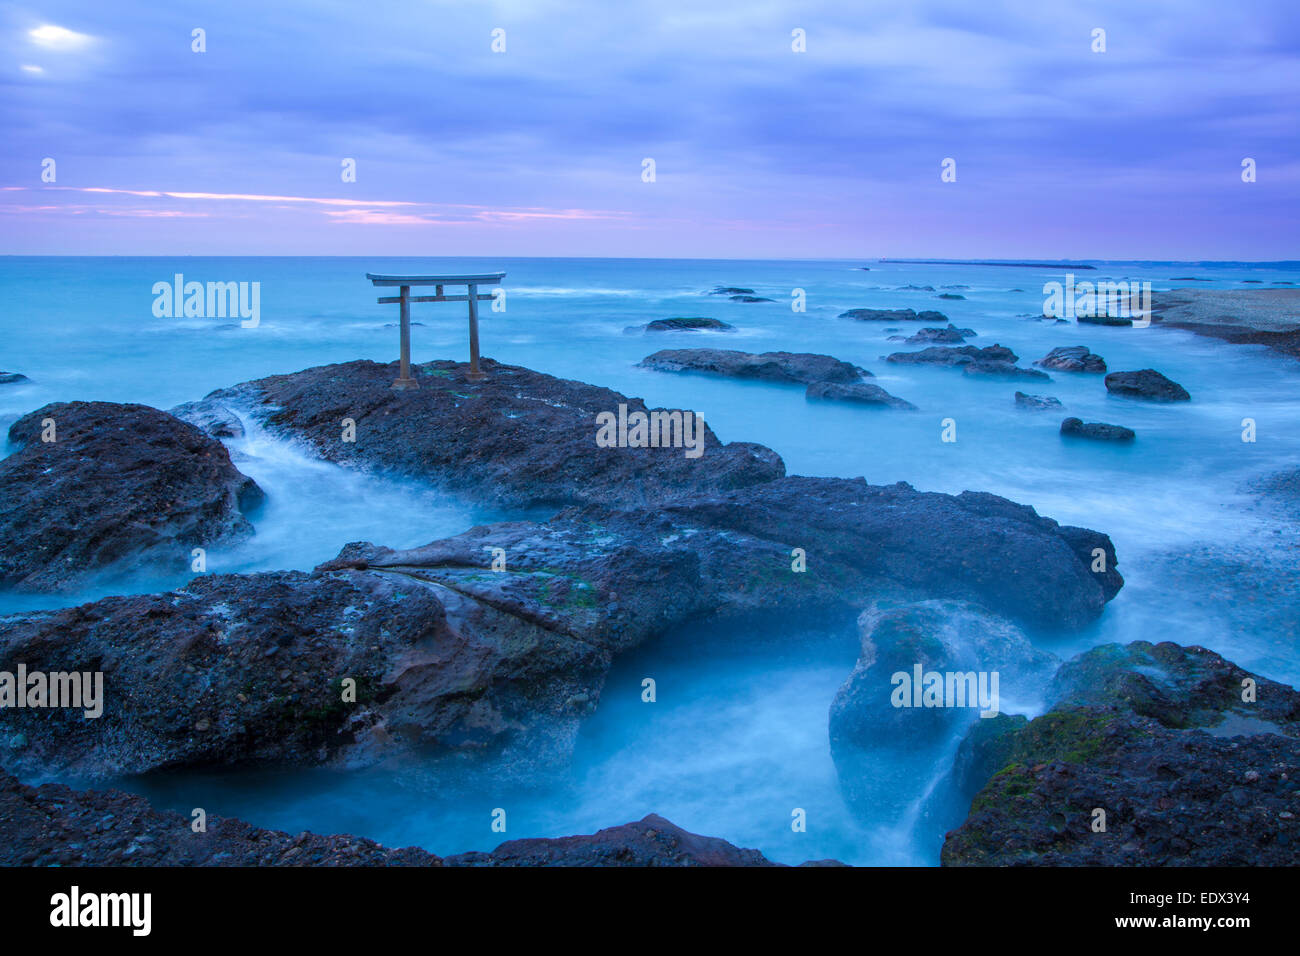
x=759, y=151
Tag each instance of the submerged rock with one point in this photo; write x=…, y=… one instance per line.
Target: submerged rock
x=793, y=367
x=1098, y=431
x=949, y=295
x=1072, y=358
x=926, y=671
x=1193, y=760
x=750, y=298
x=212, y=417
x=859, y=393
x=730, y=290
x=955, y=355
x=518, y=439
x=947, y=335
x=118, y=486
x=54, y=825
x=687, y=325
x=895, y=315
x=12, y=378
x=1003, y=370
x=1146, y=383
x=1036, y=402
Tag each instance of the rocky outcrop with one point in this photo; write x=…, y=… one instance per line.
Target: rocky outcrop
x=518, y=439
x=1146, y=383
x=1036, y=402
x=895, y=315
x=1193, y=761
x=54, y=825
x=695, y=324
x=730, y=290
x=251, y=669
x=114, y=486
x=857, y=393
x=1268, y=317
x=802, y=368
x=1072, y=358
x=458, y=662
x=13, y=378
x=1096, y=431
x=1006, y=370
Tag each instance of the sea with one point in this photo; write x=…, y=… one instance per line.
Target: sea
x=737, y=740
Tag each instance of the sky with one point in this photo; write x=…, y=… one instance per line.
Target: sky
x=539, y=147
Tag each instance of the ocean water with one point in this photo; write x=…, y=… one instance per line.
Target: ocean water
x=740, y=738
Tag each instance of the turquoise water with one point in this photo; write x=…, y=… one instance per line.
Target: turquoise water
x=744, y=739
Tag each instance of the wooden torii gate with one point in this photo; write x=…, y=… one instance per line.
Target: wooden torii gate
x=404, y=299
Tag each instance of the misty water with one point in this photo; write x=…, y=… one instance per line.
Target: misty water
x=738, y=735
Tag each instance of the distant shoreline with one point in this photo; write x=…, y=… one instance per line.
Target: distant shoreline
x=976, y=262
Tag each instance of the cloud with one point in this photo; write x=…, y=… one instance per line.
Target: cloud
x=60, y=39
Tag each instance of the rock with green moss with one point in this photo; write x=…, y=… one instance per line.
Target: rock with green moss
x=1153, y=755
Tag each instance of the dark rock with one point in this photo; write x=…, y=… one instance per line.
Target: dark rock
x=1146, y=383
x=1036, y=402
x=652, y=841
x=1099, y=431
x=212, y=417
x=1003, y=370
x=455, y=661
x=1102, y=319
x=54, y=825
x=861, y=393
x=750, y=298
x=947, y=335
x=518, y=439
x=895, y=315
x=12, y=378
x=688, y=325
x=121, y=485
x=1072, y=358
x=802, y=368
x=955, y=356
x=730, y=290
x=1189, y=769
x=949, y=295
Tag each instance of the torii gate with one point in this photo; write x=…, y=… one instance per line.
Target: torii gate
x=404, y=299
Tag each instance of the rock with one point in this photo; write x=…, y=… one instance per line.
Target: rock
x=12, y=378
x=212, y=417
x=867, y=721
x=652, y=841
x=1101, y=318
x=895, y=315
x=54, y=825
x=1269, y=317
x=1036, y=402
x=495, y=670
x=518, y=439
x=1099, y=431
x=750, y=298
x=802, y=368
x=730, y=290
x=949, y=295
x=956, y=356
x=121, y=486
x=1159, y=737
x=942, y=336
x=1072, y=358
x=1146, y=383
x=861, y=393
x=1003, y=370
x=688, y=325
